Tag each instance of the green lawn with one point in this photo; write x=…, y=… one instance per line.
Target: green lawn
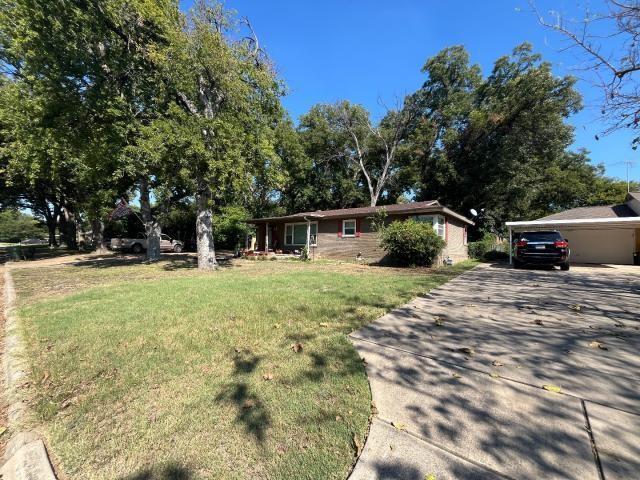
x=160, y=372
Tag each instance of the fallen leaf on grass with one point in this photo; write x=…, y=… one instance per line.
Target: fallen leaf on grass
x=237, y=350
x=338, y=418
x=45, y=377
x=296, y=347
x=398, y=426
x=249, y=403
x=324, y=324
x=281, y=449
x=276, y=325
x=596, y=344
x=267, y=376
x=552, y=388
x=358, y=444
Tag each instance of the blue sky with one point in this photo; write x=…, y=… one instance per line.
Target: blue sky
x=367, y=51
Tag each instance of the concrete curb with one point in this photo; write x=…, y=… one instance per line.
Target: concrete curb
x=26, y=456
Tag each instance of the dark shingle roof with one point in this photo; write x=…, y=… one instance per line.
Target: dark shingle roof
x=605, y=211
x=400, y=208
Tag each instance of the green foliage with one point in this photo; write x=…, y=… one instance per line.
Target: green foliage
x=411, y=243
x=378, y=219
x=500, y=143
x=229, y=226
x=16, y=226
x=488, y=248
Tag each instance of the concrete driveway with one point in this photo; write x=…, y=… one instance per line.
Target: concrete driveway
x=458, y=378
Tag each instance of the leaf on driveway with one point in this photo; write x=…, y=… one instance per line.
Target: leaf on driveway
x=596, y=344
x=552, y=388
x=456, y=375
x=2, y=430
x=467, y=350
x=538, y=321
x=438, y=321
x=430, y=476
x=496, y=363
x=398, y=426
x=472, y=305
x=374, y=409
x=296, y=347
x=494, y=375
x=576, y=307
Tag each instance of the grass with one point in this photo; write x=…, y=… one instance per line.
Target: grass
x=160, y=372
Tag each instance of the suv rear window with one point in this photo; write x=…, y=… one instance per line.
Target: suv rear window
x=540, y=236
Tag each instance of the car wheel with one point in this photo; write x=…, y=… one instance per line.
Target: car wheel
x=177, y=248
x=136, y=248
x=564, y=266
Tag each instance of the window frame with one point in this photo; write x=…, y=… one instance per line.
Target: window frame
x=292, y=225
x=441, y=223
x=355, y=228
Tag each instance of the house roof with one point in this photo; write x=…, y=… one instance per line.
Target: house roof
x=605, y=211
x=429, y=206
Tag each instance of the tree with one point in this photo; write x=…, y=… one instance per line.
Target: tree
x=498, y=143
x=228, y=98
x=16, y=226
x=607, y=40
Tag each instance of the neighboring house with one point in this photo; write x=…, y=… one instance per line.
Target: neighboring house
x=606, y=234
x=347, y=233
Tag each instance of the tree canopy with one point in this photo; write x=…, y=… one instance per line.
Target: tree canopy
x=113, y=99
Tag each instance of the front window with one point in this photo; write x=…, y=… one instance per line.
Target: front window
x=437, y=221
x=296, y=234
x=348, y=228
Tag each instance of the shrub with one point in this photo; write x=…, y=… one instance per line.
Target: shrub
x=488, y=248
x=411, y=243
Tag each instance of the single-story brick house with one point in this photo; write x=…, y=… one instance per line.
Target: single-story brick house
x=600, y=234
x=347, y=233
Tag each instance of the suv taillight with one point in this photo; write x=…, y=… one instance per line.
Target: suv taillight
x=521, y=243
x=560, y=244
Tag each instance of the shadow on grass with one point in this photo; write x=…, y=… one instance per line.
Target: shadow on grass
x=251, y=411
x=167, y=472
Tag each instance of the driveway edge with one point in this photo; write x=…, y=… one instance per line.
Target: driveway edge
x=26, y=456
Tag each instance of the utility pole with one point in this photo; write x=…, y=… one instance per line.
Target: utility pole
x=629, y=164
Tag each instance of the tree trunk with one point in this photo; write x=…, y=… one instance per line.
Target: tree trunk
x=204, y=230
x=151, y=226
x=51, y=226
x=97, y=234
x=68, y=228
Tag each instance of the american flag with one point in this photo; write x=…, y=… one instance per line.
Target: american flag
x=121, y=210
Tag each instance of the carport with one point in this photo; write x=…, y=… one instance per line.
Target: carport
x=592, y=240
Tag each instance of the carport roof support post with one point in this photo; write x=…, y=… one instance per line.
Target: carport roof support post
x=510, y=246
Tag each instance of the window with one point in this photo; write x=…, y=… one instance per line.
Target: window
x=437, y=221
x=296, y=234
x=348, y=228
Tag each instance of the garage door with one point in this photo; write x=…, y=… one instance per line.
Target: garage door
x=613, y=245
